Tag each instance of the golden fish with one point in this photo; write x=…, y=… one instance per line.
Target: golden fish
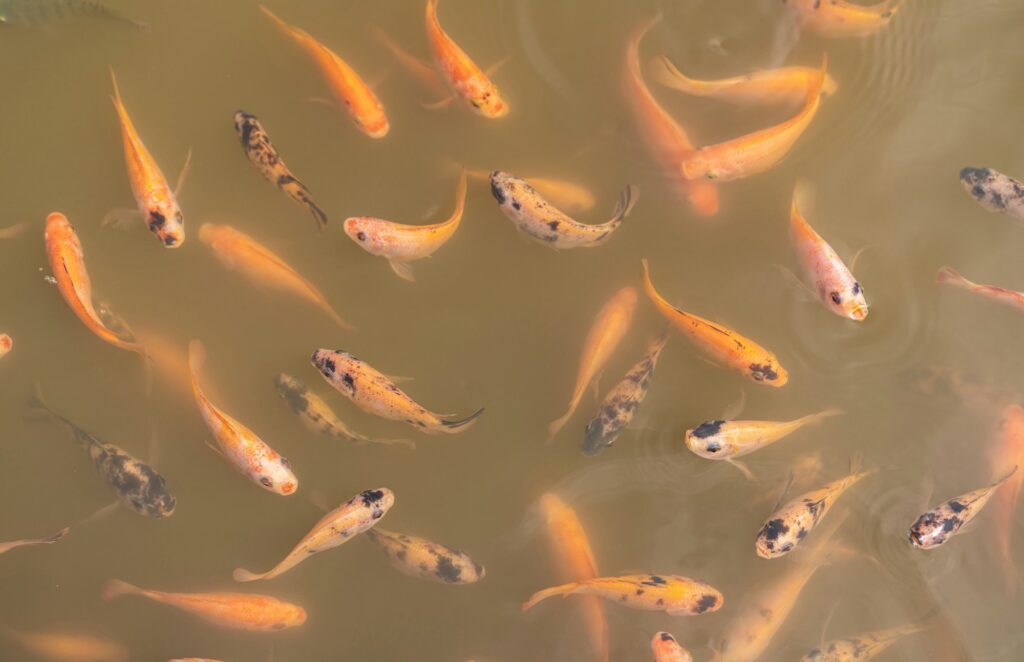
x=950, y=276
x=567, y=196
x=605, y=333
x=375, y=393
x=423, y=559
x=839, y=18
x=241, y=611
x=1008, y=452
x=64, y=647
x=995, y=191
x=667, y=649
x=675, y=595
x=463, y=76
x=942, y=522
x=355, y=516
x=724, y=440
x=862, y=647
x=6, y=344
x=49, y=540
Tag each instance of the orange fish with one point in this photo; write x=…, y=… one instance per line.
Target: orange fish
x=364, y=108
x=576, y=563
x=157, y=202
x=6, y=344
x=757, y=151
x=838, y=18
x=719, y=343
x=950, y=276
x=67, y=261
x=240, y=611
x=465, y=79
x=1008, y=453
x=665, y=139
x=667, y=649
x=66, y=647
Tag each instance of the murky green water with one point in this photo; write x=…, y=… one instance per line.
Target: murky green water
x=496, y=322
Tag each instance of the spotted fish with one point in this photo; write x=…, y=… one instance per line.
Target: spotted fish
x=261, y=152
x=667, y=649
x=995, y=191
x=675, y=595
x=862, y=647
x=620, y=405
x=25, y=542
x=464, y=77
x=839, y=18
x=37, y=12
x=136, y=484
x=355, y=516
x=727, y=440
x=66, y=647
x=938, y=525
x=423, y=559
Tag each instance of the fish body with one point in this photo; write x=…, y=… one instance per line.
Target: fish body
x=240, y=252
x=758, y=151
x=464, y=77
x=6, y=344
x=364, y=108
x=423, y=559
x=262, y=154
x=950, y=276
x=155, y=198
x=720, y=344
x=67, y=262
x=375, y=393
x=401, y=244
x=860, y=648
x=667, y=649
x=606, y=332
x=239, y=445
x=995, y=191
x=24, y=542
x=239, y=611
x=66, y=647
x=665, y=139
x=1007, y=453
x=566, y=195
x=620, y=405
x=824, y=270
x=355, y=516
x=675, y=595
x=944, y=521
x=37, y=12
x=839, y=18
x=541, y=221
x=722, y=440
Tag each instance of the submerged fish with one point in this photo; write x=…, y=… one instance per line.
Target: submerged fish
x=66, y=647
x=566, y=195
x=423, y=559
x=262, y=154
x=950, y=276
x=944, y=521
x=995, y=191
x=36, y=12
x=607, y=330
x=25, y=542
x=401, y=244
x=136, y=484
x=620, y=405
x=237, y=444
x=240, y=252
x=541, y=221
x=355, y=516
x=375, y=393
x=839, y=18
x=463, y=76
x=318, y=417
x=675, y=595
x=6, y=344
x=722, y=345
x=424, y=72
x=725, y=440
x=1007, y=453
x=862, y=647
x=667, y=649
x=240, y=611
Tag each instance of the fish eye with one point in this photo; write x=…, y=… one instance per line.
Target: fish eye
x=710, y=175
x=836, y=298
x=361, y=236
x=856, y=289
x=285, y=463
x=266, y=482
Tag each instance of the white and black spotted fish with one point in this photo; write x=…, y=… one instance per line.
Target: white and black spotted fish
x=37, y=12
x=541, y=221
x=944, y=521
x=620, y=405
x=261, y=152
x=423, y=559
x=995, y=191
x=136, y=483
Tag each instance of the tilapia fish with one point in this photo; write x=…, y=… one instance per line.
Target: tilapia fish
x=37, y=12
x=423, y=559
x=938, y=525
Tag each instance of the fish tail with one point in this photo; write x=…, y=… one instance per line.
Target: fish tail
x=318, y=214
x=556, y=425
x=115, y=588
x=627, y=200
x=243, y=575
x=664, y=72
x=461, y=424
x=39, y=410
x=810, y=419
x=118, y=104
x=950, y=276
x=460, y=201
x=55, y=537
x=658, y=300
x=338, y=319
x=1007, y=476
x=562, y=589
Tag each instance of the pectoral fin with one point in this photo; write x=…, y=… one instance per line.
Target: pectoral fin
x=403, y=270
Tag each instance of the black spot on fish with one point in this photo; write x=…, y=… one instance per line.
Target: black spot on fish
x=978, y=192
x=956, y=506
x=170, y=240
x=400, y=555
x=639, y=591
x=707, y=429
x=156, y=219
x=497, y=191
x=660, y=602
x=654, y=580
x=665, y=636
x=763, y=373
x=516, y=205
x=887, y=14
x=371, y=497
x=774, y=528
x=949, y=524
x=856, y=289
x=836, y=298
x=706, y=602
x=817, y=4
x=327, y=366
x=447, y=570
x=553, y=225
x=245, y=128
x=998, y=201
x=266, y=482
x=349, y=381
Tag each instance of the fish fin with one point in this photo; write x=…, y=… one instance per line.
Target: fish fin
x=556, y=425
x=744, y=469
x=183, y=175
x=100, y=514
x=828, y=621
x=319, y=215
x=785, y=491
x=403, y=270
x=319, y=499
x=322, y=101
x=463, y=423
x=562, y=589
x=338, y=319
x=857, y=256
x=243, y=575
x=496, y=67
x=733, y=411
x=664, y=72
x=122, y=218
x=49, y=540
x=949, y=275
x=627, y=200
x=13, y=230
x=116, y=588
x=794, y=280
x=214, y=448
x=438, y=105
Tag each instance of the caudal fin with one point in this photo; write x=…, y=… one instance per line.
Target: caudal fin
x=627, y=200
x=318, y=215
x=563, y=590
x=950, y=276
x=55, y=537
x=243, y=575
x=664, y=72
x=811, y=419
x=115, y=588
x=196, y=357
x=461, y=424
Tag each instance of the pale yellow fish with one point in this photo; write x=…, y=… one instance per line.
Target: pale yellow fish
x=424, y=559
x=564, y=194
x=49, y=540
x=66, y=647
x=839, y=18
x=722, y=440
x=6, y=344
x=862, y=647
x=675, y=595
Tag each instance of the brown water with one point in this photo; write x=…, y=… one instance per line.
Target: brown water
x=496, y=322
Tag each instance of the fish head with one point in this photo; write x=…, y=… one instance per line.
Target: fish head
x=769, y=372
x=377, y=501
x=502, y=184
x=934, y=528
x=487, y=102
x=293, y=615
x=366, y=231
x=275, y=475
x=850, y=304
x=159, y=506
x=330, y=362
x=976, y=180
x=706, y=440
x=778, y=537
x=59, y=229
x=244, y=124
x=168, y=223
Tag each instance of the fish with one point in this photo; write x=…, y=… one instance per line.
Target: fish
x=838, y=18
x=606, y=332
x=722, y=345
x=424, y=72
x=950, y=276
x=240, y=252
x=156, y=200
x=755, y=152
x=675, y=595
x=364, y=108
x=782, y=86
x=423, y=559
x=664, y=138
x=318, y=416
x=66, y=647
x=67, y=262
x=25, y=542
x=829, y=277
x=465, y=79
x=620, y=405
x=6, y=344
x=401, y=244
x=136, y=484
x=238, y=611
x=37, y=12
x=724, y=440
x=549, y=226
x=570, y=547
x=1006, y=453
x=667, y=649
x=236, y=443
x=995, y=191
x=262, y=154
x=376, y=394
x=788, y=526
x=357, y=515
x=566, y=195
x=862, y=647
x=935, y=527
